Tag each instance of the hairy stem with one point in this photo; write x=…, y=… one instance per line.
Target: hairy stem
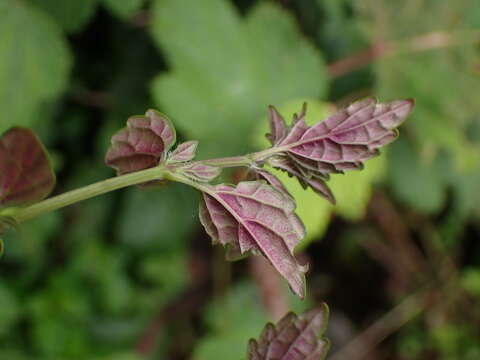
x=22, y=214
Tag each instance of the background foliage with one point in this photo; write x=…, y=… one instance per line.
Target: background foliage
x=131, y=275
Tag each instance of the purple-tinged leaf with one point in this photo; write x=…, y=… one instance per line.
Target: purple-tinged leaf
x=184, y=152
x=339, y=143
x=312, y=179
x=201, y=172
x=26, y=175
x=349, y=136
x=277, y=126
x=260, y=174
x=293, y=338
x=142, y=144
x=256, y=217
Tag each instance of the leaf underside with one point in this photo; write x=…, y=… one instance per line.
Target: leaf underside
x=26, y=175
x=142, y=144
x=341, y=142
x=293, y=338
x=255, y=217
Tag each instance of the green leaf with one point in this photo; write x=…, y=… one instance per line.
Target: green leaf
x=158, y=218
x=123, y=8
x=72, y=15
x=416, y=182
x=9, y=310
x=470, y=280
x=231, y=326
x=60, y=314
x=226, y=71
x=29, y=75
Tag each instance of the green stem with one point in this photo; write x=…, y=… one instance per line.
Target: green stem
x=22, y=214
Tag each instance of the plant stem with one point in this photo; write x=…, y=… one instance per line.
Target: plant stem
x=22, y=214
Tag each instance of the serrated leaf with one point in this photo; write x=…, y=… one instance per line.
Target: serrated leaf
x=26, y=175
x=183, y=152
x=72, y=15
x=143, y=144
x=29, y=75
x=278, y=127
x=341, y=142
x=350, y=136
x=260, y=174
x=255, y=217
x=211, y=95
x=293, y=337
x=353, y=190
x=201, y=172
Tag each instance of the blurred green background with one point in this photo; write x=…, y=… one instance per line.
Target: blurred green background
x=131, y=275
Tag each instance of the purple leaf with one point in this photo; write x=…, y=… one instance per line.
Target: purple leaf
x=339, y=143
x=293, y=338
x=26, y=175
x=307, y=178
x=260, y=174
x=255, y=217
x=351, y=135
x=142, y=144
x=184, y=152
x=277, y=126
x=201, y=172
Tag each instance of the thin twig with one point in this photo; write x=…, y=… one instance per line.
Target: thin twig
x=393, y=320
x=381, y=49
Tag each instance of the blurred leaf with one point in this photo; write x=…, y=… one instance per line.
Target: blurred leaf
x=158, y=218
x=414, y=181
x=9, y=310
x=28, y=244
x=121, y=356
x=354, y=190
x=72, y=15
x=26, y=174
x=339, y=31
x=470, y=280
x=60, y=314
x=29, y=75
x=255, y=217
x=456, y=341
x=106, y=267
x=293, y=337
x=226, y=71
x=167, y=270
x=231, y=326
x=123, y=8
